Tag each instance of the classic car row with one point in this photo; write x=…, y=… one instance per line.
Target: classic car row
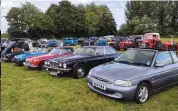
x=133, y=75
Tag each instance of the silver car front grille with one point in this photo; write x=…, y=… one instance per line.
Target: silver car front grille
x=101, y=79
x=54, y=64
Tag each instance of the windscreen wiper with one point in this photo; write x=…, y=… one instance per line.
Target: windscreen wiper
x=125, y=62
x=140, y=64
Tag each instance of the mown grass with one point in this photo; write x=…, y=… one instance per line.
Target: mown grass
x=169, y=38
x=31, y=90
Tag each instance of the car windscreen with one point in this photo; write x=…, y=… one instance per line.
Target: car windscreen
x=55, y=51
x=89, y=51
x=137, y=57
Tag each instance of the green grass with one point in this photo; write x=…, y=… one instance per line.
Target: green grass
x=167, y=39
x=30, y=90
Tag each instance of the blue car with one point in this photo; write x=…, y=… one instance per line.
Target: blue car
x=52, y=43
x=70, y=41
x=19, y=59
x=101, y=42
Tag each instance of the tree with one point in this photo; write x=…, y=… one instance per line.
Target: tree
x=138, y=26
x=107, y=24
x=27, y=18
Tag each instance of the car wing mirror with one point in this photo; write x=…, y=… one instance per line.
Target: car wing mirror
x=159, y=65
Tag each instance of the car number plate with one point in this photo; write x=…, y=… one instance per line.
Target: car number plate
x=99, y=85
x=54, y=73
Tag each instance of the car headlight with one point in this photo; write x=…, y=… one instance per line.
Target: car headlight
x=64, y=65
x=60, y=64
x=46, y=63
x=123, y=83
x=35, y=60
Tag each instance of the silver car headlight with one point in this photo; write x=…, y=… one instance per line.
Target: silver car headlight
x=60, y=64
x=64, y=65
x=46, y=63
x=123, y=83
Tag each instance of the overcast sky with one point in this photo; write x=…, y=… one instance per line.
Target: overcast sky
x=116, y=7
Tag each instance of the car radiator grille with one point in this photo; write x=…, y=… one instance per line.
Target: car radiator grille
x=101, y=79
x=54, y=64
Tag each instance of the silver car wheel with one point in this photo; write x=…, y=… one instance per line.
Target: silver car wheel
x=80, y=72
x=143, y=94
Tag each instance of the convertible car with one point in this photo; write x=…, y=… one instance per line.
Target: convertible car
x=82, y=60
x=38, y=61
x=20, y=58
x=135, y=75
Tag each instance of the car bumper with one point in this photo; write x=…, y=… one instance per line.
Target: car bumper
x=5, y=59
x=27, y=64
x=59, y=70
x=19, y=62
x=113, y=91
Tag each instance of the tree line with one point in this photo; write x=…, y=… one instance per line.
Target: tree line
x=150, y=16
x=60, y=20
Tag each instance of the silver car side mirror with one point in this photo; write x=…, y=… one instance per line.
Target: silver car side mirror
x=159, y=65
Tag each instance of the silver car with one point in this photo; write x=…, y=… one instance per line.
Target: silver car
x=135, y=74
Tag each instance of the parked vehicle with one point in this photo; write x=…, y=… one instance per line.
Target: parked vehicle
x=70, y=41
x=90, y=41
x=3, y=40
x=126, y=43
x=20, y=58
x=151, y=40
x=10, y=47
x=82, y=60
x=33, y=47
x=81, y=40
x=101, y=42
x=135, y=75
x=52, y=43
x=38, y=61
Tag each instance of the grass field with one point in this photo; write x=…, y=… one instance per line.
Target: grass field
x=30, y=90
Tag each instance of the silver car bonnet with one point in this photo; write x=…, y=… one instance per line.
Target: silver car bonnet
x=118, y=71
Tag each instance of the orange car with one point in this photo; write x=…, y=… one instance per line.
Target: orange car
x=38, y=61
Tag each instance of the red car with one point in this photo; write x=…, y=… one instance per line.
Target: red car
x=38, y=61
x=127, y=43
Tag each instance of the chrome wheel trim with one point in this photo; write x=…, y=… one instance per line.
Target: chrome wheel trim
x=80, y=72
x=143, y=94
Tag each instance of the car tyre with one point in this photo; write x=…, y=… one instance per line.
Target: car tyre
x=79, y=71
x=142, y=93
x=41, y=66
x=11, y=59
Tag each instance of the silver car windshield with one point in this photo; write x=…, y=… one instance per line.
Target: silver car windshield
x=89, y=51
x=137, y=57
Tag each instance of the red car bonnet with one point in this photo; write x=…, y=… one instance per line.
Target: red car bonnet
x=46, y=56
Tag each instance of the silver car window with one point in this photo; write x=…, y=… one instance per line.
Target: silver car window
x=109, y=50
x=164, y=58
x=100, y=51
x=175, y=58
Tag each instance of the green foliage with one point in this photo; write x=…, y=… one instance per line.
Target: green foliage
x=164, y=15
x=62, y=19
x=138, y=26
x=29, y=21
x=5, y=35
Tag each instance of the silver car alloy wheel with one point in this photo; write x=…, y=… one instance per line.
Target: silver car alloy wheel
x=80, y=72
x=143, y=94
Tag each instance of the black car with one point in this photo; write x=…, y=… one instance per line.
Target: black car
x=82, y=60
